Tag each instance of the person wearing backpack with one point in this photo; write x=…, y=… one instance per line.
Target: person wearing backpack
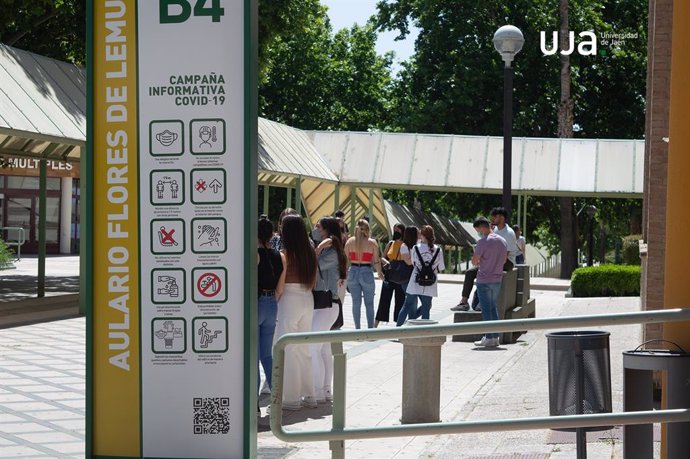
x=427, y=261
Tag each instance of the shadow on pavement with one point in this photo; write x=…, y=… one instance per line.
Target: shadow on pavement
x=20, y=287
x=293, y=417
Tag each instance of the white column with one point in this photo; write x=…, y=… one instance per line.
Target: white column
x=66, y=215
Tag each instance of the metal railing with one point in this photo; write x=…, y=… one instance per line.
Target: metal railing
x=547, y=268
x=18, y=242
x=339, y=433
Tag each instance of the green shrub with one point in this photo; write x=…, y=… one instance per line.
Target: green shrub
x=630, y=253
x=6, y=255
x=606, y=280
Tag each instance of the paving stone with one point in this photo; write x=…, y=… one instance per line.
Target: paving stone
x=72, y=448
x=474, y=385
x=45, y=438
x=23, y=427
x=18, y=451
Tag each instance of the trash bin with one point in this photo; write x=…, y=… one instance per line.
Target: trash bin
x=638, y=366
x=579, y=372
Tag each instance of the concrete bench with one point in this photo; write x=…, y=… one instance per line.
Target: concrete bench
x=514, y=302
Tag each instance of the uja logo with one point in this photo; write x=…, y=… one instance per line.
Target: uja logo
x=586, y=47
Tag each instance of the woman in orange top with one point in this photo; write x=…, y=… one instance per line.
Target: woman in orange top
x=363, y=254
x=391, y=253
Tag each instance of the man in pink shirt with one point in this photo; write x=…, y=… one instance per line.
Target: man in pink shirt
x=490, y=254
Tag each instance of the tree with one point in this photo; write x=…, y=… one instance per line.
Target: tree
x=278, y=18
x=453, y=85
x=54, y=28
x=317, y=80
x=568, y=237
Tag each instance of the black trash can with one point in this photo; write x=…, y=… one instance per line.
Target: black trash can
x=579, y=368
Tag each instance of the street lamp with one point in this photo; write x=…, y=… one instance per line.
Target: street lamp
x=591, y=211
x=508, y=41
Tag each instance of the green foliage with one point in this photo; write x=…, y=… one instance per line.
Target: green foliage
x=278, y=18
x=317, y=80
x=606, y=280
x=6, y=255
x=54, y=28
x=630, y=252
x=453, y=83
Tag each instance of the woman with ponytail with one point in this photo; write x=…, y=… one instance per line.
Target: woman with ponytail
x=425, y=253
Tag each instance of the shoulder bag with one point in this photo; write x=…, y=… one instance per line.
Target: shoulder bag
x=399, y=271
x=322, y=298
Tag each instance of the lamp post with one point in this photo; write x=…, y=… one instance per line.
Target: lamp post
x=591, y=210
x=508, y=41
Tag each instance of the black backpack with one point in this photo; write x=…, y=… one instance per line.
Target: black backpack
x=426, y=275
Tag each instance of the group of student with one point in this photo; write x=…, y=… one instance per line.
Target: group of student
x=498, y=249
x=303, y=277
x=302, y=280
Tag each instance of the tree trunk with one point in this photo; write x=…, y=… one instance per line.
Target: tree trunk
x=565, y=130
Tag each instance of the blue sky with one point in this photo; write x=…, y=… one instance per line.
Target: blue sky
x=344, y=13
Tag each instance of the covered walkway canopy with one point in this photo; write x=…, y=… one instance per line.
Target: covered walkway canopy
x=474, y=164
x=43, y=115
x=42, y=106
x=446, y=230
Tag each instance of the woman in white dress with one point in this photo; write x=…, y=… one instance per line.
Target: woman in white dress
x=295, y=311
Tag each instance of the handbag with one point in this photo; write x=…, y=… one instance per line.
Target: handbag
x=322, y=298
x=399, y=271
x=340, y=321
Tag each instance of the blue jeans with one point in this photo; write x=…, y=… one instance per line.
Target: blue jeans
x=267, y=312
x=360, y=280
x=411, y=310
x=488, y=301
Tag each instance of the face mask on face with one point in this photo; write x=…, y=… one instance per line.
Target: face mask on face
x=397, y=236
x=316, y=235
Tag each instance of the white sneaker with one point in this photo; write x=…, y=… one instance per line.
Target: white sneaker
x=487, y=342
x=309, y=402
x=265, y=389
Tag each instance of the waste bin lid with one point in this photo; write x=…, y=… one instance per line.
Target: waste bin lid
x=657, y=353
x=577, y=334
x=639, y=351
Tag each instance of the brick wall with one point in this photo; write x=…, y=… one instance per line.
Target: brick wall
x=656, y=156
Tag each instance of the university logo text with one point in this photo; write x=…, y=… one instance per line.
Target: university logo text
x=586, y=47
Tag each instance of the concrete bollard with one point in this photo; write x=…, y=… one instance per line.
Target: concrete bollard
x=421, y=391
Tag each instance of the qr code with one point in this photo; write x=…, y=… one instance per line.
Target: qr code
x=211, y=415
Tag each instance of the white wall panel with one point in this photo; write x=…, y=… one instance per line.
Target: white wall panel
x=577, y=166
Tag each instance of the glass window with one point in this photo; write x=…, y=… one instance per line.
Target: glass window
x=19, y=214
x=32, y=183
x=52, y=220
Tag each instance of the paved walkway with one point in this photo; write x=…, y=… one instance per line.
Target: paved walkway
x=42, y=392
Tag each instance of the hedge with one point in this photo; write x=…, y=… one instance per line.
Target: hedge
x=606, y=280
x=5, y=256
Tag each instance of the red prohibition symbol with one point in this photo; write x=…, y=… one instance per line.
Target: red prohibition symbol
x=208, y=285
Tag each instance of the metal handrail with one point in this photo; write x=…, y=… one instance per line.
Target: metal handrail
x=19, y=242
x=339, y=433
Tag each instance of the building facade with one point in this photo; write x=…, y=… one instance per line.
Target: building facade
x=19, y=204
